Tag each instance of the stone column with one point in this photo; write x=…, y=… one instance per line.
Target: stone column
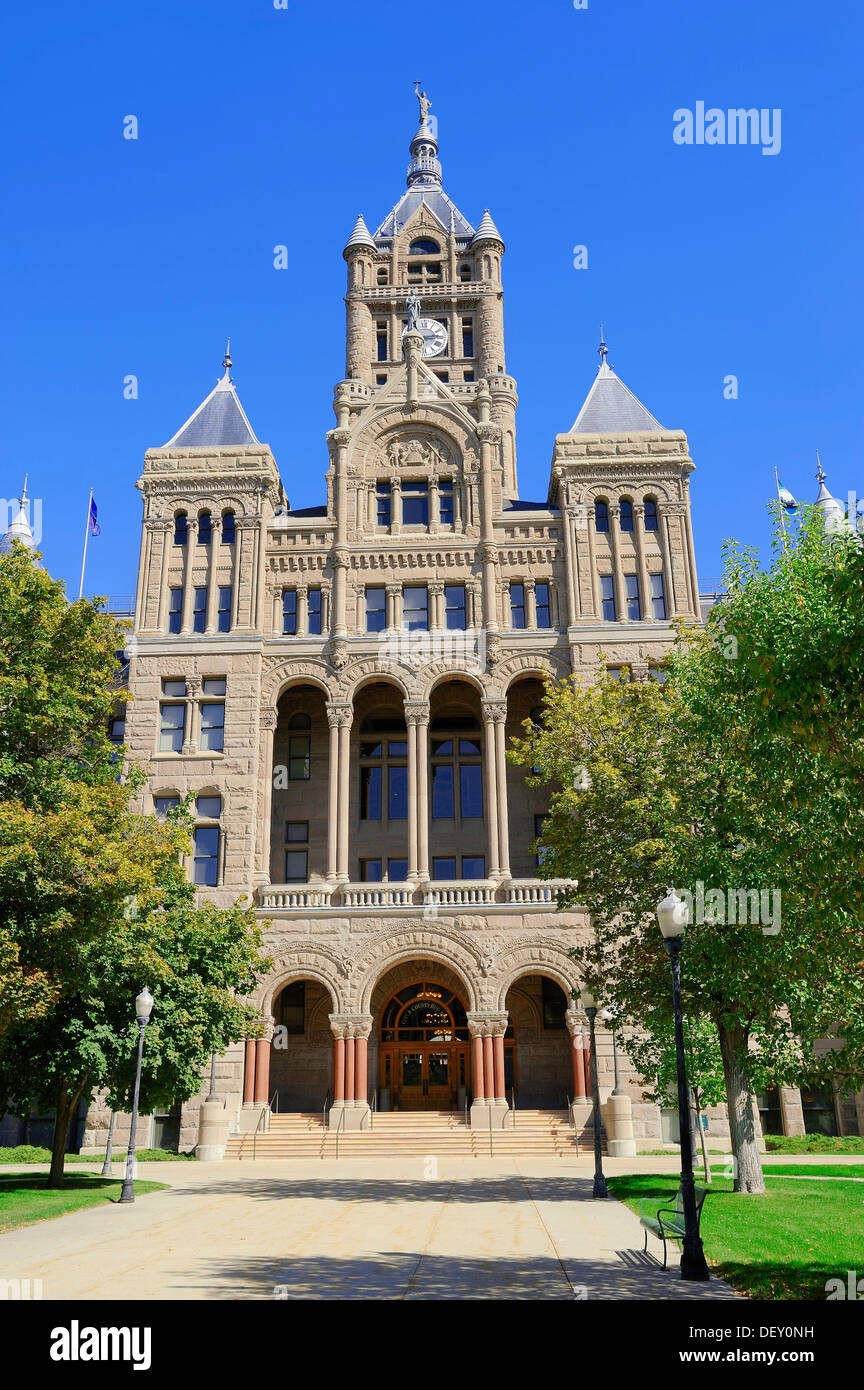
x=340, y=716
x=267, y=722
x=338, y=440
x=668, y=576
x=417, y=721
x=791, y=1110
x=506, y=616
x=498, y=710
x=433, y=506
x=530, y=604
x=570, y=552
x=212, y=579
x=191, y=542
x=592, y=562
x=249, y=1073
x=166, y=528
x=491, y=785
x=262, y=1068
x=339, y=1068
x=362, y=1082
x=394, y=616
x=411, y=726
x=574, y=1026
x=641, y=560
x=395, y=505
x=489, y=1063
x=617, y=566
x=498, y=1054
x=487, y=1040
x=302, y=610
x=350, y=1054
x=350, y=1074
x=477, y=1066
x=436, y=605
x=334, y=715
x=190, y=738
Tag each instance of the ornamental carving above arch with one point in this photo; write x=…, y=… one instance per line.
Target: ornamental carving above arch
x=540, y=957
x=391, y=947
x=513, y=667
x=280, y=670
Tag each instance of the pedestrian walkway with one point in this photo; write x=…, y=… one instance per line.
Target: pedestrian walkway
x=431, y=1229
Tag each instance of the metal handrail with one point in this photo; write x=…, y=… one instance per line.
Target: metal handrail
x=328, y=1100
x=372, y=1108
x=572, y=1120
x=491, y=1147
x=512, y=1107
x=466, y=1107
x=338, y=1128
x=275, y=1096
x=265, y=1113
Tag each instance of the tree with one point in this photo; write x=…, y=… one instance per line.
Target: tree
x=699, y=782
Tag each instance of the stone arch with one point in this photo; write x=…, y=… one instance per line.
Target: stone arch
x=359, y=673
x=514, y=668
x=440, y=671
x=405, y=972
x=286, y=672
x=539, y=958
x=390, y=948
x=304, y=963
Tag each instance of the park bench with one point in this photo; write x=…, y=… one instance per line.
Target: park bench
x=667, y=1223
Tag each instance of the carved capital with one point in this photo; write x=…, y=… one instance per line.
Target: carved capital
x=494, y=711
x=488, y=434
x=339, y=716
x=436, y=586
x=193, y=686
x=339, y=437
x=489, y=553
x=268, y=718
x=417, y=712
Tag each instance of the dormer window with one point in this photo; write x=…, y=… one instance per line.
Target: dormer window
x=424, y=246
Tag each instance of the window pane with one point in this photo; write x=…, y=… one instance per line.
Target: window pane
x=469, y=747
x=415, y=504
x=601, y=516
x=297, y=831
x=370, y=793
x=298, y=757
x=163, y=804
x=397, y=793
x=214, y=685
x=206, y=860
x=634, y=607
x=415, y=609
x=454, y=606
x=295, y=865
x=397, y=748
x=445, y=503
x=173, y=722
x=224, y=624
x=443, y=749
x=314, y=611
x=517, y=605
x=371, y=750
x=205, y=528
x=382, y=502
x=175, y=605
x=210, y=807
x=443, y=868
x=473, y=866
x=607, y=592
x=289, y=612
x=212, y=727
x=625, y=515
x=544, y=609
x=650, y=514
x=397, y=870
x=442, y=792
x=471, y=789
x=370, y=871
x=228, y=530
x=174, y=689
x=658, y=598
x=376, y=609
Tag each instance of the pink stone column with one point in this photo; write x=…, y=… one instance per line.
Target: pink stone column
x=477, y=1045
x=578, y=1067
x=262, y=1071
x=488, y=1066
x=349, y=1069
x=589, y=1075
x=249, y=1073
x=362, y=1081
x=338, y=1069
x=498, y=1050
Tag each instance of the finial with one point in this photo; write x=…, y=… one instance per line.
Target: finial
x=425, y=103
x=602, y=351
x=820, y=472
x=23, y=498
x=227, y=364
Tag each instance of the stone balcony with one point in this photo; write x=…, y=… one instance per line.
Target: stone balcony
x=519, y=894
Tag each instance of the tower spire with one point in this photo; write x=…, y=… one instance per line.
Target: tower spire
x=227, y=364
x=602, y=351
x=424, y=168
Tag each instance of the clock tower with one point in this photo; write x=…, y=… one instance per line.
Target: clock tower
x=427, y=267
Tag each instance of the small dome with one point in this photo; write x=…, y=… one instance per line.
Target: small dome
x=834, y=517
x=20, y=528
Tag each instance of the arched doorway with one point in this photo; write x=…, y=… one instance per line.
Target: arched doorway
x=424, y=1054
x=537, y=1006
x=302, y=1047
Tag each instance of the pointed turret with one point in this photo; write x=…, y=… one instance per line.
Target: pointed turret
x=20, y=527
x=361, y=236
x=487, y=231
x=610, y=407
x=833, y=512
x=424, y=184
x=219, y=420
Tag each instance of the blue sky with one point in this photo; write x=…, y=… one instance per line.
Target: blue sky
x=260, y=127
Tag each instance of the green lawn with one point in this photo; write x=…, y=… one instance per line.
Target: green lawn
x=32, y=1153
x=807, y=1170
x=25, y=1199
x=785, y=1244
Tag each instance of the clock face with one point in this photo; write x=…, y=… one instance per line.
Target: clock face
x=434, y=336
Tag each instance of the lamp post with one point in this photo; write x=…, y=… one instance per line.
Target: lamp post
x=608, y=1015
x=589, y=1004
x=143, y=1010
x=672, y=917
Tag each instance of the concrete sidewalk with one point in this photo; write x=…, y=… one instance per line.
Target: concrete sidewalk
x=478, y=1229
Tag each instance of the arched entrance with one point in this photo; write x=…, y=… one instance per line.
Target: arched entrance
x=424, y=1054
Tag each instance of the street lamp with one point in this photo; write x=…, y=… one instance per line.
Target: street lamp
x=143, y=1010
x=672, y=917
x=589, y=1004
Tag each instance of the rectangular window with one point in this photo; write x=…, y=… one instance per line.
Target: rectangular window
x=213, y=685
x=539, y=822
x=292, y=1008
x=212, y=728
x=445, y=501
x=376, y=609
x=443, y=805
x=208, y=807
x=174, y=690
x=634, y=606
x=370, y=793
x=296, y=865
x=370, y=871
x=289, y=612
x=443, y=869
x=199, y=609
x=454, y=607
x=415, y=504
x=299, y=746
x=471, y=790
x=382, y=503
x=517, y=605
x=554, y=1004
x=397, y=792
x=415, y=608
x=175, y=609
x=297, y=832
x=224, y=621
x=314, y=612
x=468, y=376
x=467, y=337
x=658, y=598
x=117, y=730
x=163, y=804
x=544, y=605
x=206, y=859
x=172, y=726
x=473, y=866
x=397, y=870
x=381, y=339
x=607, y=597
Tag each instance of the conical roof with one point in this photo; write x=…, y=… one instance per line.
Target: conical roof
x=487, y=231
x=361, y=235
x=611, y=408
x=19, y=529
x=219, y=421
x=833, y=512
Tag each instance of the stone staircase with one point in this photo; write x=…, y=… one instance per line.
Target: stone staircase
x=415, y=1134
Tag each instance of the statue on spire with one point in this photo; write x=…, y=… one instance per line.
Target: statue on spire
x=413, y=307
x=425, y=103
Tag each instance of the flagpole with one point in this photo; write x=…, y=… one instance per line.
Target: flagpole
x=780, y=500
x=87, y=533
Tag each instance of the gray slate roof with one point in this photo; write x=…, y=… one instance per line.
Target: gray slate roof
x=219, y=420
x=611, y=408
x=436, y=200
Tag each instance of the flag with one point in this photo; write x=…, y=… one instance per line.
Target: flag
x=786, y=497
x=95, y=528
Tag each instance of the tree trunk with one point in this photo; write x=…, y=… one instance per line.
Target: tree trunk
x=748, y=1176
x=66, y=1105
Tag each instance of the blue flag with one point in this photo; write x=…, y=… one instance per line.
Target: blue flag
x=95, y=528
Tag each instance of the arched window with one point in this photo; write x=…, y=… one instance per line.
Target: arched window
x=228, y=531
x=299, y=747
x=464, y=272
x=181, y=528
x=382, y=275
x=205, y=528
x=424, y=246
x=601, y=516
x=626, y=514
x=650, y=514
